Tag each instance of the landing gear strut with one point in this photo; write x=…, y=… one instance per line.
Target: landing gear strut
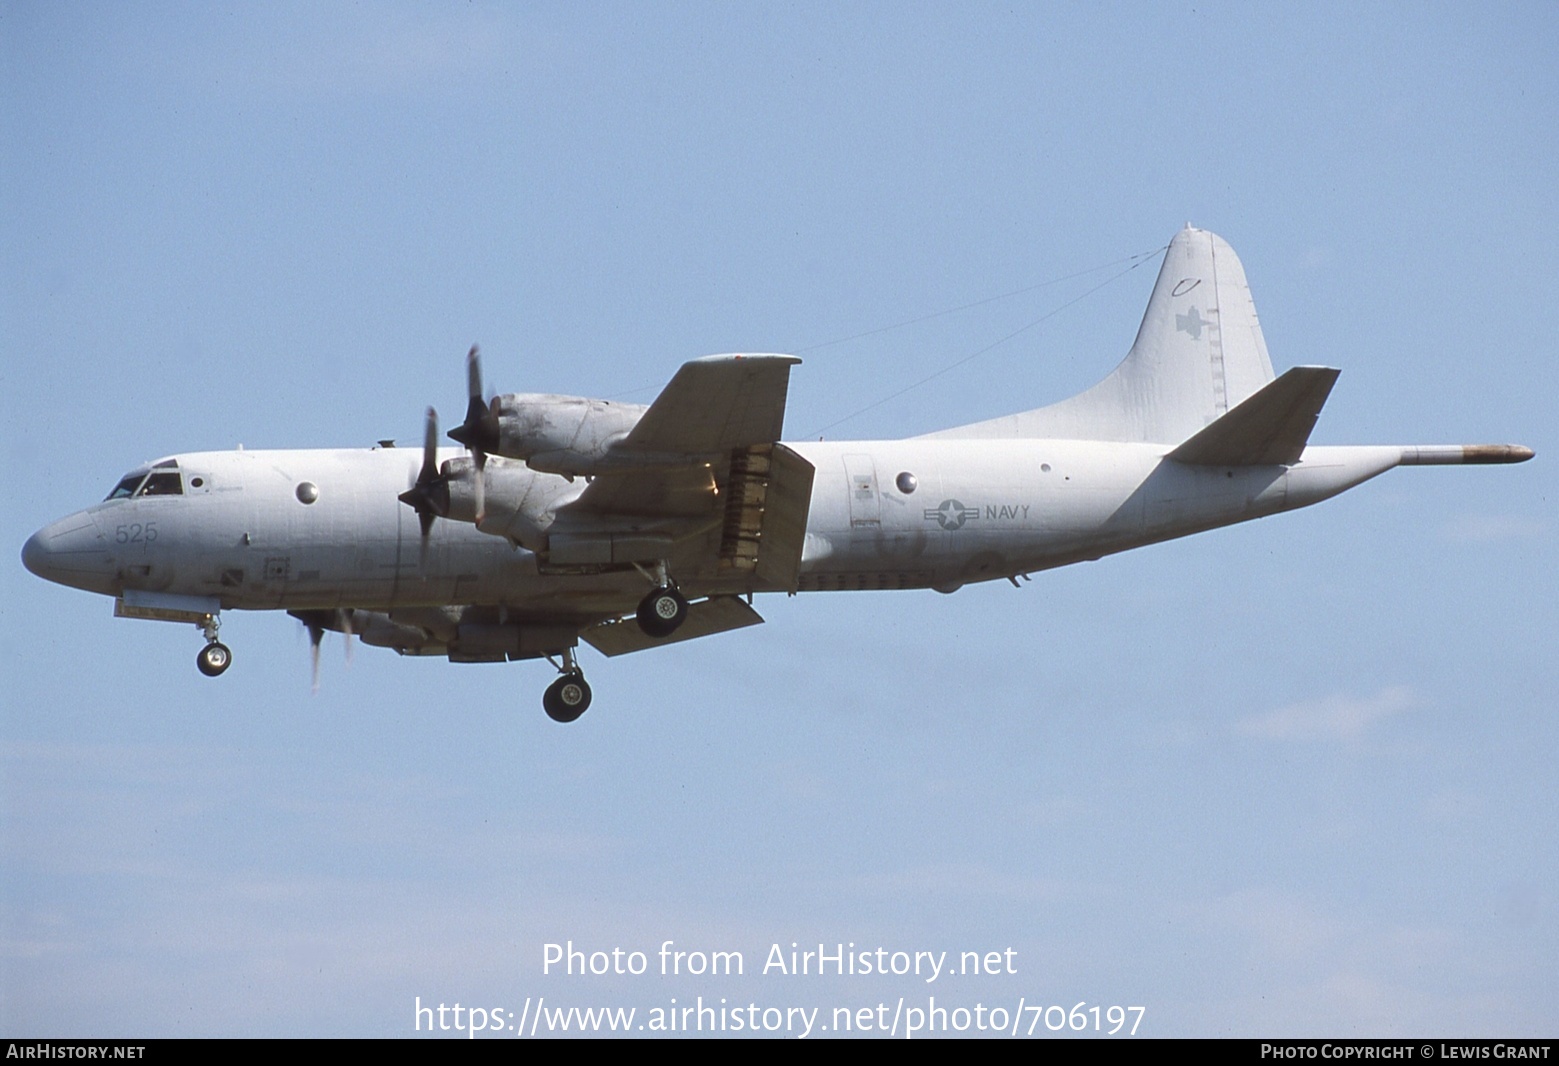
x=569, y=696
x=215, y=657
x=664, y=609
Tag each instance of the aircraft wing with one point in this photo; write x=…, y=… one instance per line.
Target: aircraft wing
x=673, y=459
x=700, y=480
x=715, y=404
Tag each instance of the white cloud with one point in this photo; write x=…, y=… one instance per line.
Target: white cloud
x=342, y=52
x=1483, y=528
x=1336, y=718
x=1323, y=966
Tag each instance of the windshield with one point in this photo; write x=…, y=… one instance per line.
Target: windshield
x=126, y=487
x=158, y=481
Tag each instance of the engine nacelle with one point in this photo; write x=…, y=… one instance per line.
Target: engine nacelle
x=505, y=486
x=569, y=435
x=376, y=628
x=515, y=504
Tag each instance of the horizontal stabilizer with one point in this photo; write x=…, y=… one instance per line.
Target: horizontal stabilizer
x=1270, y=426
x=714, y=615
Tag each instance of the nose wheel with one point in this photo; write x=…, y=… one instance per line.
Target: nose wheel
x=569, y=696
x=215, y=657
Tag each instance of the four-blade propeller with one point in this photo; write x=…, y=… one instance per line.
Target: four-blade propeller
x=429, y=495
x=479, y=432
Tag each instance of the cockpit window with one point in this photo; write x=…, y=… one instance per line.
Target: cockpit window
x=126, y=488
x=159, y=481
x=162, y=483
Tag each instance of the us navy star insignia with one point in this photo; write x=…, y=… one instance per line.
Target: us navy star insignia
x=951, y=514
x=1192, y=324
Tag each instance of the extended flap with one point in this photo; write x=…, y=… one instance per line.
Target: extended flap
x=704, y=618
x=788, y=502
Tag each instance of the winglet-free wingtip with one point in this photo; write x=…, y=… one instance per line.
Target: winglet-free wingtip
x=748, y=357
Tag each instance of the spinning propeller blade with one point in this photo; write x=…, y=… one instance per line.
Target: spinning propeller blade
x=479, y=432
x=429, y=496
x=345, y=616
x=316, y=634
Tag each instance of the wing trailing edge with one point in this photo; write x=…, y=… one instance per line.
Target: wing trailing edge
x=1271, y=426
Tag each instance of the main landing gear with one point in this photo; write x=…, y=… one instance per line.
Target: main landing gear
x=664, y=609
x=569, y=696
x=215, y=657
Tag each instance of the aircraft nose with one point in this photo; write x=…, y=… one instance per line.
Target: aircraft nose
x=69, y=552
x=35, y=554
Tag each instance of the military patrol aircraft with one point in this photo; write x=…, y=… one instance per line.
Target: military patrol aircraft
x=569, y=519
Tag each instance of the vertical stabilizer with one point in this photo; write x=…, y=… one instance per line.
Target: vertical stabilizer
x=1199, y=352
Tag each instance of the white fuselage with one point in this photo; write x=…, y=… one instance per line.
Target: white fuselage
x=975, y=510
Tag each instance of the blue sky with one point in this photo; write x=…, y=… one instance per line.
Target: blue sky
x=1289, y=778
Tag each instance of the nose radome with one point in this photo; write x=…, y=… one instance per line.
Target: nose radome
x=69, y=552
x=35, y=554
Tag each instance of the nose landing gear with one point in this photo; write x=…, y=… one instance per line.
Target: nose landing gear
x=215, y=657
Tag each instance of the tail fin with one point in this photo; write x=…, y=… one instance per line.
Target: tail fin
x=1199, y=352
